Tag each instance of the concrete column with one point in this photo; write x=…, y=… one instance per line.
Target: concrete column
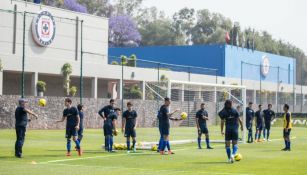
x=182, y=92
x=1, y=82
x=94, y=87
x=215, y=95
x=276, y=99
x=34, y=79
x=255, y=97
x=294, y=98
x=143, y=86
x=120, y=88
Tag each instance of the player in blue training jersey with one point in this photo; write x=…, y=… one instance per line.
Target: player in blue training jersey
x=21, y=116
x=104, y=112
x=230, y=117
x=109, y=127
x=259, y=123
x=201, y=124
x=71, y=115
x=164, y=116
x=269, y=115
x=250, y=114
x=129, y=125
x=80, y=108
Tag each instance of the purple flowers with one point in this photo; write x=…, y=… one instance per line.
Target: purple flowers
x=123, y=32
x=74, y=6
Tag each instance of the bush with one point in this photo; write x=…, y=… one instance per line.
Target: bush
x=114, y=63
x=132, y=61
x=73, y=91
x=41, y=86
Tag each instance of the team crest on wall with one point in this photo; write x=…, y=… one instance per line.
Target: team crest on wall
x=265, y=66
x=43, y=28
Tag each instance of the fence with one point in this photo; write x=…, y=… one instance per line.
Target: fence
x=276, y=93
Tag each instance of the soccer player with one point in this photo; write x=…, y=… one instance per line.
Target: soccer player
x=231, y=118
x=71, y=115
x=249, y=121
x=81, y=115
x=21, y=116
x=269, y=115
x=104, y=112
x=165, y=116
x=109, y=128
x=287, y=127
x=259, y=123
x=129, y=125
x=201, y=124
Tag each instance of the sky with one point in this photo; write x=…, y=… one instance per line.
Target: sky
x=284, y=19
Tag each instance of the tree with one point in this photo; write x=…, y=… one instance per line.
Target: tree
x=66, y=71
x=74, y=6
x=127, y=7
x=123, y=32
x=183, y=23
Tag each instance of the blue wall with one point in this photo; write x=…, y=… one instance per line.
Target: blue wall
x=234, y=55
x=227, y=59
x=206, y=56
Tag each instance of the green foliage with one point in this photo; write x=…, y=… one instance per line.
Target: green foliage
x=66, y=71
x=163, y=78
x=132, y=61
x=123, y=59
x=114, y=63
x=133, y=92
x=73, y=91
x=41, y=86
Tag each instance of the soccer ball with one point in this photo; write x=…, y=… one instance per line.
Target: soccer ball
x=42, y=102
x=238, y=157
x=184, y=115
x=115, y=132
x=154, y=147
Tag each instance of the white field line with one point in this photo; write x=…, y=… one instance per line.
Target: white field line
x=116, y=155
x=152, y=170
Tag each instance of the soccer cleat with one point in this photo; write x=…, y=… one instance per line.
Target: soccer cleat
x=209, y=147
x=285, y=149
x=269, y=140
x=79, y=152
x=161, y=152
x=134, y=149
x=259, y=140
x=170, y=152
x=264, y=140
x=128, y=152
x=18, y=155
x=232, y=159
x=200, y=147
x=68, y=154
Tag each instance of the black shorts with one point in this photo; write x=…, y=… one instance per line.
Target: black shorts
x=71, y=132
x=164, y=130
x=287, y=134
x=268, y=125
x=231, y=135
x=249, y=126
x=259, y=126
x=107, y=130
x=203, y=130
x=130, y=132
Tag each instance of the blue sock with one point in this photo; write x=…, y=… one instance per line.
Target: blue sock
x=106, y=143
x=111, y=143
x=199, y=142
x=77, y=144
x=289, y=144
x=228, y=151
x=286, y=144
x=207, y=142
x=164, y=145
x=256, y=136
x=268, y=134
x=234, y=149
x=160, y=143
x=168, y=146
x=128, y=145
x=264, y=133
x=68, y=145
x=259, y=135
x=79, y=141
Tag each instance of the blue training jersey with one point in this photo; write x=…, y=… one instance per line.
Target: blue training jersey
x=259, y=117
x=249, y=114
x=231, y=117
x=200, y=116
x=163, y=118
x=130, y=117
x=21, y=116
x=268, y=115
x=71, y=115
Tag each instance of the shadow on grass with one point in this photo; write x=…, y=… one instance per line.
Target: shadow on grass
x=209, y=163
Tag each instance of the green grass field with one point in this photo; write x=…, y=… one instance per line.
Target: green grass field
x=47, y=149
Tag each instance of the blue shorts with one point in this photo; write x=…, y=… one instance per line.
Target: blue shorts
x=231, y=135
x=107, y=130
x=268, y=125
x=71, y=132
x=130, y=132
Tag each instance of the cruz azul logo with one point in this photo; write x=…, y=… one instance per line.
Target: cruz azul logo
x=265, y=66
x=43, y=28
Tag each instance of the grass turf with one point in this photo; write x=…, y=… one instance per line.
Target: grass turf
x=44, y=153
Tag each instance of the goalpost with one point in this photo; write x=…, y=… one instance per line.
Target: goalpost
x=189, y=95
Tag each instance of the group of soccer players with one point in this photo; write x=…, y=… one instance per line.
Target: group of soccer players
x=230, y=120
